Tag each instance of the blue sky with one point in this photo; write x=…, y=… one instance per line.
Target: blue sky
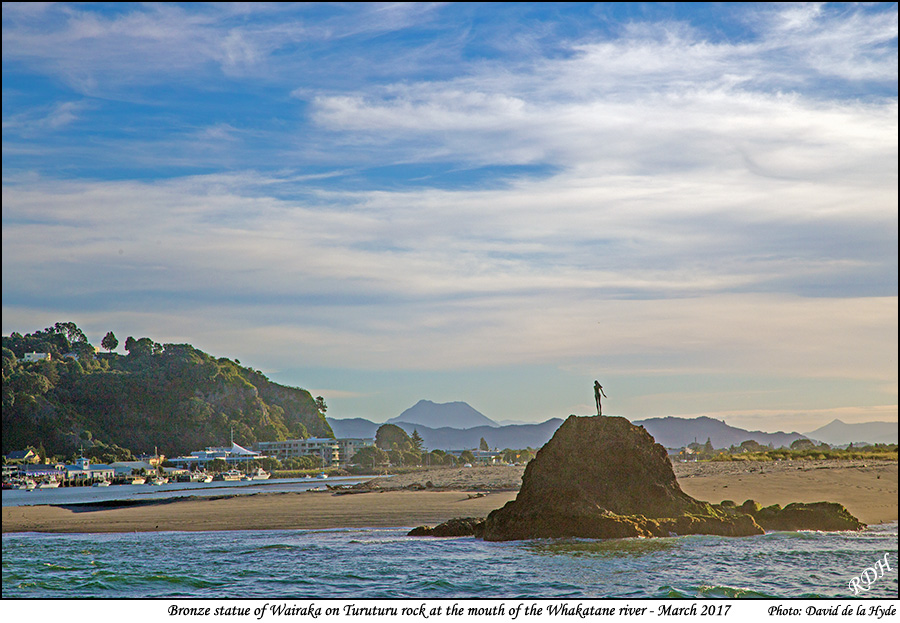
x=494, y=203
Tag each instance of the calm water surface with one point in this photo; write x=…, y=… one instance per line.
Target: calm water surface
x=88, y=495
x=384, y=563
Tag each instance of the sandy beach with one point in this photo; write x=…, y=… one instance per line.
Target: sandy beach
x=867, y=489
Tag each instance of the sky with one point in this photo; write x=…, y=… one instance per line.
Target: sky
x=496, y=203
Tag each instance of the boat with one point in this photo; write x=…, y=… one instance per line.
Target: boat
x=258, y=474
x=137, y=480
x=52, y=483
x=322, y=476
x=201, y=477
x=230, y=476
x=26, y=485
x=157, y=480
x=103, y=482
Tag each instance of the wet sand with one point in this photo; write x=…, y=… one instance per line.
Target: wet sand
x=867, y=489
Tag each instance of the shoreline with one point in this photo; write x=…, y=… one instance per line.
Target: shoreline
x=867, y=488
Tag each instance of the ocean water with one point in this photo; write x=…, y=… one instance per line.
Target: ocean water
x=93, y=495
x=384, y=564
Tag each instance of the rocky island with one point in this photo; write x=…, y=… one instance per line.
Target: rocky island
x=603, y=477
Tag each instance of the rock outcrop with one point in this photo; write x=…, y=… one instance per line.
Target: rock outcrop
x=465, y=526
x=603, y=477
x=824, y=516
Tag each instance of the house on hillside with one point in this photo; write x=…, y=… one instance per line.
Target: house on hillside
x=36, y=357
x=22, y=456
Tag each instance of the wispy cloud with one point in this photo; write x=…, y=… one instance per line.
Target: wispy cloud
x=642, y=196
x=44, y=119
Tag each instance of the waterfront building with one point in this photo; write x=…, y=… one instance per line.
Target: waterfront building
x=41, y=470
x=323, y=447
x=234, y=454
x=348, y=447
x=132, y=468
x=83, y=469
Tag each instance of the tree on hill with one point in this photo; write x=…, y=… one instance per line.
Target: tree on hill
x=320, y=404
x=176, y=397
x=142, y=346
x=391, y=436
x=70, y=330
x=483, y=445
x=802, y=444
x=418, y=444
x=109, y=342
x=751, y=445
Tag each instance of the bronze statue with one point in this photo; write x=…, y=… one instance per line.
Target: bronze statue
x=598, y=390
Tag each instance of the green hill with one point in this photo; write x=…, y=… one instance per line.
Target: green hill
x=167, y=396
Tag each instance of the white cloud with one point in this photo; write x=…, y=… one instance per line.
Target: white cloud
x=438, y=279
x=835, y=41
x=693, y=194
x=44, y=118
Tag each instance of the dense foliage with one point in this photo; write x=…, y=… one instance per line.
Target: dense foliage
x=868, y=452
x=392, y=437
x=167, y=396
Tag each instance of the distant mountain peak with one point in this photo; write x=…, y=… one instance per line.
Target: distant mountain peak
x=673, y=432
x=838, y=432
x=457, y=414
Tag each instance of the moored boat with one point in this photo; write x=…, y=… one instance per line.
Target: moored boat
x=230, y=476
x=258, y=474
x=51, y=483
x=103, y=482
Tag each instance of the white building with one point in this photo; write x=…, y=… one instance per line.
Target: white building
x=130, y=468
x=36, y=357
x=233, y=454
x=325, y=448
x=82, y=469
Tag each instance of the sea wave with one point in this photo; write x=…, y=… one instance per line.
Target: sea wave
x=385, y=564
